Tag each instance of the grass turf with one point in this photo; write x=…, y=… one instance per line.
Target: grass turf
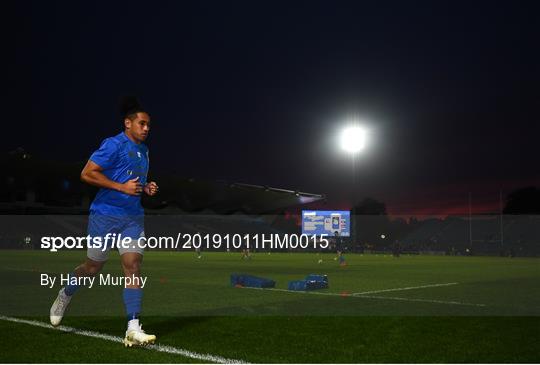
x=189, y=304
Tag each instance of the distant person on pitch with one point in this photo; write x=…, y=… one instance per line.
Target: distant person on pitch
x=119, y=168
x=339, y=249
x=245, y=252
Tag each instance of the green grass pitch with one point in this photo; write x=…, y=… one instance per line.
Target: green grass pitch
x=411, y=309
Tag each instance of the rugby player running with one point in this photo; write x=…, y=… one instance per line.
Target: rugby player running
x=119, y=168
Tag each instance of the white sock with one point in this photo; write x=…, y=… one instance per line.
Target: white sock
x=133, y=324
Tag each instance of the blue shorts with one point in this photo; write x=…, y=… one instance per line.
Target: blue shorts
x=123, y=226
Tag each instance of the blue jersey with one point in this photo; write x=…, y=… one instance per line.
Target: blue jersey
x=121, y=160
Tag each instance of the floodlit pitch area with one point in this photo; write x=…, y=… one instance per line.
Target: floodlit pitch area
x=378, y=309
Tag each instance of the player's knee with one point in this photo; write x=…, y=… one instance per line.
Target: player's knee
x=92, y=268
x=132, y=266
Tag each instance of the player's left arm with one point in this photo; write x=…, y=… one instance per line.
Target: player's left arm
x=151, y=188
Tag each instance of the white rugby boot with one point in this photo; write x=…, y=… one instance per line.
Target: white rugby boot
x=137, y=337
x=59, y=307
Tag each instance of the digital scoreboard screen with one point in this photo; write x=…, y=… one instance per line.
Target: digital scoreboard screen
x=326, y=222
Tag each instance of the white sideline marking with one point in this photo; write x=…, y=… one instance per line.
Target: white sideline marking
x=423, y=300
x=406, y=288
x=371, y=297
x=159, y=348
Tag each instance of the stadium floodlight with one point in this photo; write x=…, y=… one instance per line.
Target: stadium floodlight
x=353, y=139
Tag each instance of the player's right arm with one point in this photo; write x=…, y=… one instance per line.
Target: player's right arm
x=92, y=174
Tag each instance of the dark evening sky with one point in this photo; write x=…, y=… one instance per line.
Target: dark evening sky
x=256, y=91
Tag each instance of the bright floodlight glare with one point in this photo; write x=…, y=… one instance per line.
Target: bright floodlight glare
x=353, y=139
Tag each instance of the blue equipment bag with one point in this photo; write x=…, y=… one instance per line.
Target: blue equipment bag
x=312, y=282
x=251, y=281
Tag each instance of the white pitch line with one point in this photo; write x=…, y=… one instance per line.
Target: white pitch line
x=370, y=297
x=406, y=288
x=102, y=336
x=423, y=300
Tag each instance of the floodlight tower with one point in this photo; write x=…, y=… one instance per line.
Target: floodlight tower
x=353, y=141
